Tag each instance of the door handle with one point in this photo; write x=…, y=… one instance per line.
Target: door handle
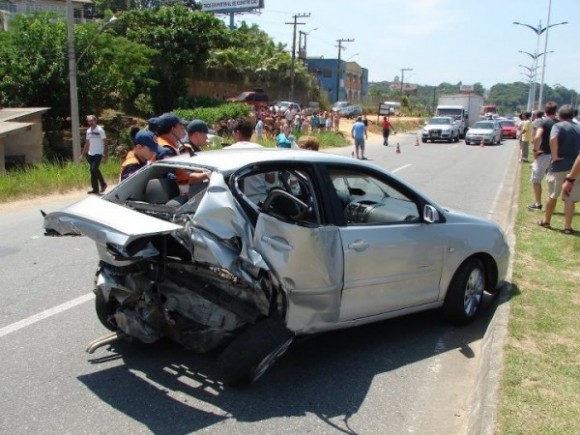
x=277, y=243
x=358, y=245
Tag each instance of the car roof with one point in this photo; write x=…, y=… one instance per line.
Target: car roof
x=228, y=160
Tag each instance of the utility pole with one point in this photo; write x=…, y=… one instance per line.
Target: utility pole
x=294, y=23
x=403, y=79
x=338, y=69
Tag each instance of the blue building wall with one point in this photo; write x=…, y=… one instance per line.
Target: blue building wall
x=325, y=71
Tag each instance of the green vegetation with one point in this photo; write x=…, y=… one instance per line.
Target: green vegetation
x=213, y=115
x=540, y=391
x=49, y=178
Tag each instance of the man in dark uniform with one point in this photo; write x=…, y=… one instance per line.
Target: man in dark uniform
x=144, y=151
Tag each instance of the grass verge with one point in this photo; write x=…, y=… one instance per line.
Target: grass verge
x=540, y=389
x=48, y=178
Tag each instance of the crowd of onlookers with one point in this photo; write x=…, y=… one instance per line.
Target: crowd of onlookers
x=554, y=138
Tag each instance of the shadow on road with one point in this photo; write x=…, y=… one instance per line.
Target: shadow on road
x=174, y=391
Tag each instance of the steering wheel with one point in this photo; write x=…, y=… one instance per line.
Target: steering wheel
x=284, y=204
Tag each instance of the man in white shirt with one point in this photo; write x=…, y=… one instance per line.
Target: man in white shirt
x=255, y=187
x=96, y=149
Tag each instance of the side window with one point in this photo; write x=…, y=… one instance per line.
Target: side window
x=368, y=200
x=288, y=195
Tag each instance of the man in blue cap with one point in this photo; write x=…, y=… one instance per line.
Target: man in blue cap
x=170, y=130
x=197, y=132
x=144, y=151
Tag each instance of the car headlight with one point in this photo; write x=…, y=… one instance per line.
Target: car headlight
x=425, y=131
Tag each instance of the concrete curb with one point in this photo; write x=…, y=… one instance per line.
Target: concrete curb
x=484, y=413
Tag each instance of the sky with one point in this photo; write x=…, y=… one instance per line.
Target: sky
x=452, y=41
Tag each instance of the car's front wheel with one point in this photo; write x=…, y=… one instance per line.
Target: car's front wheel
x=251, y=354
x=465, y=292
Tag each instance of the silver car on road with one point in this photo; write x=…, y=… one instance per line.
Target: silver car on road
x=277, y=244
x=487, y=131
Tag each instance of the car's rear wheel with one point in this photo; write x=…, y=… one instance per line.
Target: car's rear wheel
x=465, y=293
x=251, y=354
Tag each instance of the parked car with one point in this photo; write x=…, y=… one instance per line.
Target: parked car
x=440, y=128
x=245, y=266
x=282, y=106
x=488, y=131
x=254, y=98
x=351, y=111
x=509, y=129
x=339, y=105
x=313, y=107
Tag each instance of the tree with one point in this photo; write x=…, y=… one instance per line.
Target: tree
x=34, y=67
x=182, y=40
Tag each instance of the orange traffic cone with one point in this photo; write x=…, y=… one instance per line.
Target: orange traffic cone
x=482, y=143
x=398, y=149
x=417, y=141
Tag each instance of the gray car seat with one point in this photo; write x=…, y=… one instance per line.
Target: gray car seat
x=161, y=191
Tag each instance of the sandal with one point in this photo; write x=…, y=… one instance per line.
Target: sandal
x=544, y=224
x=569, y=231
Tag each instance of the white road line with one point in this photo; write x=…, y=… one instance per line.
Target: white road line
x=401, y=168
x=44, y=314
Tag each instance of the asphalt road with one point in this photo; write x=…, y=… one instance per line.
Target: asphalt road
x=415, y=374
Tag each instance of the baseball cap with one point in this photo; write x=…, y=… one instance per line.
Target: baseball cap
x=153, y=124
x=166, y=121
x=146, y=138
x=197, y=125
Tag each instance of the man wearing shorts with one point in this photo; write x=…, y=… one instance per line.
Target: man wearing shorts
x=565, y=145
x=359, y=134
x=542, y=153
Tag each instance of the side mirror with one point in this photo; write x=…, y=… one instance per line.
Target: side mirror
x=430, y=214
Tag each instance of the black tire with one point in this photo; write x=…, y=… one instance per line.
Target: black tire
x=465, y=293
x=251, y=354
x=105, y=311
x=424, y=140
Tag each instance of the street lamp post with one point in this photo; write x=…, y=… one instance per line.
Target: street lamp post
x=356, y=54
x=101, y=30
x=538, y=31
x=403, y=79
x=302, y=36
x=535, y=58
x=531, y=76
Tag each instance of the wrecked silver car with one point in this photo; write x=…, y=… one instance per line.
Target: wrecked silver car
x=277, y=244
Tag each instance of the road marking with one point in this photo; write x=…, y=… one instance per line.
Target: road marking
x=45, y=314
x=401, y=168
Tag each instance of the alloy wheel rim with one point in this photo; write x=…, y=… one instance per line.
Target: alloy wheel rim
x=473, y=292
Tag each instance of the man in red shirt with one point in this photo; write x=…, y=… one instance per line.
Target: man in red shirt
x=386, y=130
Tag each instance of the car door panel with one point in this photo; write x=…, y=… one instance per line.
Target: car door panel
x=399, y=267
x=309, y=264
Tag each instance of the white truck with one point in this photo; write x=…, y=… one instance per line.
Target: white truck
x=464, y=108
